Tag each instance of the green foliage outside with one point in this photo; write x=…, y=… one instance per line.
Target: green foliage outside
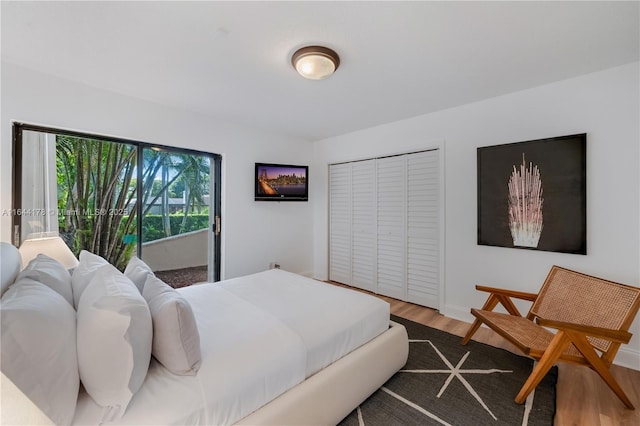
x=98, y=197
x=92, y=176
x=152, y=226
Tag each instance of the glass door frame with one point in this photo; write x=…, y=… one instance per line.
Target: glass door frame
x=215, y=208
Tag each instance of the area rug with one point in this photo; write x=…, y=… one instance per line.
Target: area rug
x=445, y=383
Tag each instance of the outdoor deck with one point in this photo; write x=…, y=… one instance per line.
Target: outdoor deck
x=177, y=278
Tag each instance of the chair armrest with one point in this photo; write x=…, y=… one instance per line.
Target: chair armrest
x=603, y=333
x=509, y=293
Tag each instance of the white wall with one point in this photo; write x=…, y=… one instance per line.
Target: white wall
x=605, y=105
x=254, y=234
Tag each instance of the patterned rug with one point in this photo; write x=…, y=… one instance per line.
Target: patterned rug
x=445, y=383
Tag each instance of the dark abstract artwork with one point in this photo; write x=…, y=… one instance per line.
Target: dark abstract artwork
x=532, y=195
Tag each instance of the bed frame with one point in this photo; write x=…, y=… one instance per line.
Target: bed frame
x=330, y=395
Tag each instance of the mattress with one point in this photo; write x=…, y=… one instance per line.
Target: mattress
x=260, y=335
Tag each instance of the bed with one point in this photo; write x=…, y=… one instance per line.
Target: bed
x=277, y=348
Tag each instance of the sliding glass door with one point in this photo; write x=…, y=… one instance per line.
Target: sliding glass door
x=90, y=191
x=178, y=216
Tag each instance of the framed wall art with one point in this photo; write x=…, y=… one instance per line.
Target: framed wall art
x=533, y=195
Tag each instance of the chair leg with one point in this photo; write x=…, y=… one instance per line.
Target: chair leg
x=492, y=302
x=557, y=346
x=472, y=330
x=583, y=345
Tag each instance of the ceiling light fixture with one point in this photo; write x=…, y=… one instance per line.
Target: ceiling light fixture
x=315, y=62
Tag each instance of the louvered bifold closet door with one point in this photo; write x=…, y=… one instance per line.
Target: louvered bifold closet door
x=391, y=227
x=363, y=224
x=423, y=228
x=340, y=223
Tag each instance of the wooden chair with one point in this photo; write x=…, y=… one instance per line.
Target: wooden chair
x=591, y=317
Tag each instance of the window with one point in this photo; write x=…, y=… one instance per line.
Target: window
x=90, y=191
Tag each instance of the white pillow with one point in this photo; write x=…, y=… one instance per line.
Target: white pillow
x=82, y=275
x=176, y=341
x=11, y=264
x=114, y=340
x=137, y=272
x=38, y=347
x=51, y=273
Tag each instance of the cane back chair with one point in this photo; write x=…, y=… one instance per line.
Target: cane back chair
x=591, y=318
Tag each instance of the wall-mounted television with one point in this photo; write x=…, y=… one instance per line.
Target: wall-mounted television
x=281, y=182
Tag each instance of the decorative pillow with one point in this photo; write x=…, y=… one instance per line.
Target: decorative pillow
x=176, y=341
x=114, y=340
x=137, y=272
x=82, y=275
x=51, y=273
x=38, y=347
x=10, y=267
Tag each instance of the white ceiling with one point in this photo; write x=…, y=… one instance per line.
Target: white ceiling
x=231, y=60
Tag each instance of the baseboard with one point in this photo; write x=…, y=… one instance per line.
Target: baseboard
x=457, y=312
x=626, y=357
x=629, y=358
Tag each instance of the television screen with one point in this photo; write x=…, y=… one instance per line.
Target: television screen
x=281, y=182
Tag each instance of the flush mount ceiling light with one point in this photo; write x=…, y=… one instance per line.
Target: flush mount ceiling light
x=315, y=62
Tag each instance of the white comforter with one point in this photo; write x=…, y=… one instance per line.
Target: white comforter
x=260, y=335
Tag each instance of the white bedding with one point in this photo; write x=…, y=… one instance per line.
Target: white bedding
x=260, y=335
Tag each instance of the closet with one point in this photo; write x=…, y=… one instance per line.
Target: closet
x=385, y=225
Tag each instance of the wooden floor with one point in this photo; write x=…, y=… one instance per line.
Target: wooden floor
x=582, y=397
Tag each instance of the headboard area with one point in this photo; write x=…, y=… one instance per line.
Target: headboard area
x=10, y=265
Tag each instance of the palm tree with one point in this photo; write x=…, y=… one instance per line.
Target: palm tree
x=98, y=190
x=194, y=172
x=94, y=183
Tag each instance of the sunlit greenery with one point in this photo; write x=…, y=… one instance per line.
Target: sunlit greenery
x=98, y=201
x=152, y=225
